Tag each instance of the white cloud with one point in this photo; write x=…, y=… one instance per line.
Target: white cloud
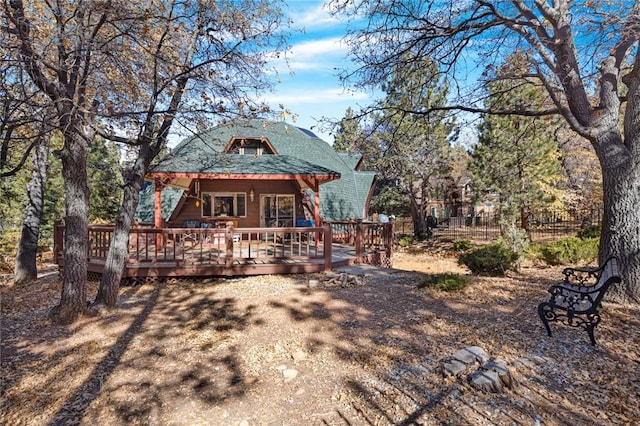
x=309, y=95
x=309, y=86
x=310, y=18
x=329, y=46
x=309, y=104
x=322, y=54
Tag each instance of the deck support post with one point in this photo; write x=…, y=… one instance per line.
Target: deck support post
x=358, y=242
x=157, y=212
x=228, y=236
x=391, y=230
x=328, y=241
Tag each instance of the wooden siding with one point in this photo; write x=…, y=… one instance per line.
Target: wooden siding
x=188, y=210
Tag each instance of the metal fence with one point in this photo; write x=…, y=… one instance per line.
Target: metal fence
x=546, y=226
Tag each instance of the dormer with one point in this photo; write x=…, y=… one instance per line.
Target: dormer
x=249, y=146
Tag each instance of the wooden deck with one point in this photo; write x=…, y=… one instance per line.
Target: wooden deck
x=182, y=252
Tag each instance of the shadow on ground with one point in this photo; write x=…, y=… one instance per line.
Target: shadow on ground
x=274, y=350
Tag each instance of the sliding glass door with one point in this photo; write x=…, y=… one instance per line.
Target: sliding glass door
x=277, y=211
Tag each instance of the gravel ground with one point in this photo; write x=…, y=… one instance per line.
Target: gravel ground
x=361, y=346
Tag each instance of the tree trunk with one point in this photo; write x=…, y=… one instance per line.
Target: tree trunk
x=620, y=163
x=26, y=269
x=114, y=264
x=419, y=222
x=621, y=226
x=524, y=220
x=150, y=145
x=73, y=301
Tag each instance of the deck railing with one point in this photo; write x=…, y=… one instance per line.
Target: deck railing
x=373, y=241
x=217, y=245
x=225, y=245
x=210, y=250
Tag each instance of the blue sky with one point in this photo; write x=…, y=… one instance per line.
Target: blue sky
x=309, y=85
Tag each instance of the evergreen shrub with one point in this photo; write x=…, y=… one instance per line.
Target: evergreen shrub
x=570, y=251
x=462, y=245
x=446, y=282
x=405, y=241
x=591, y=231
x=492, y=259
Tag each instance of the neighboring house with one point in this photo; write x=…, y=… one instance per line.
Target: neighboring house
x=255, y=173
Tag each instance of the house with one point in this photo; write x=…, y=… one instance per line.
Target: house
x=255, y=173
x=247, y=198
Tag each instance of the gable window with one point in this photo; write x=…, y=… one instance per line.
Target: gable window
x=249, y=146
x=224, y=204
x=251, y=150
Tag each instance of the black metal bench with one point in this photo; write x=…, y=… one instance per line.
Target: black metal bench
x=575, y=300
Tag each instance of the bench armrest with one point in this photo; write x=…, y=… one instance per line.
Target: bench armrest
x=585, y=293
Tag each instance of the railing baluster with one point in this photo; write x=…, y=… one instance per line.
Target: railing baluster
x=215, y=246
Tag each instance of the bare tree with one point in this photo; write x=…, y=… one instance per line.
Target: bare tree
x=59, y=45
x=585, y=53
x=202, y=60
x=116, y=66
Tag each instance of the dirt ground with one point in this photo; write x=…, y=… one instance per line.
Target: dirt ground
x=290, y=350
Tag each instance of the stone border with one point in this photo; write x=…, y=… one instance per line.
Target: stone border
x=486, y=373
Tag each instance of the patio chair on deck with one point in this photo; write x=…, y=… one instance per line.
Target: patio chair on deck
x=191, y=223
x=304, y=223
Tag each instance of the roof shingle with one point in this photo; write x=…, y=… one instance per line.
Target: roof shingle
x=298, y=152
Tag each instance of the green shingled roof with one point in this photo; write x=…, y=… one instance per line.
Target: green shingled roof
x=170, y=198
x=298, y=151
x=352, y=159
x=245, y=164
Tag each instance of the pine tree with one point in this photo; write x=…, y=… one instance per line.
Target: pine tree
x=105, y=181
x=414, y=147
x=516, y=158
x=349, y=136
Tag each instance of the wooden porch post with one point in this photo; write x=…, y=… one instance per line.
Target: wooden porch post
x=316, y=218
x=351, y=233
x=157, y=211
x=358, y=244
x=314, y=185
x=389, y=243
x=328, y=254
x=316, y=205
x=228, y=235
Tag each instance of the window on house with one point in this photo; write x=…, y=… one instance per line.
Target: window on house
x=251, y=150
x=223, y=204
